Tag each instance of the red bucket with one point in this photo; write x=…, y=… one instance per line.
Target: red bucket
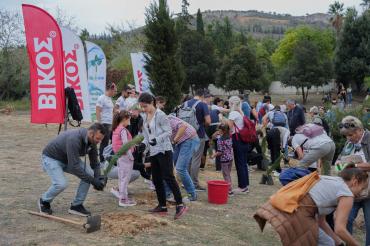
x=218, y=191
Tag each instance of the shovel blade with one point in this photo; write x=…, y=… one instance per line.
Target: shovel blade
x=93, y=223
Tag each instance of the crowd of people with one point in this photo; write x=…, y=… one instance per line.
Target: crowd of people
x=232, y=129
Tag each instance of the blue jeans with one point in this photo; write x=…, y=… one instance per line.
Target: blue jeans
x=240, y=158
x=182, y=155
x=56, y=169
x=365, y=205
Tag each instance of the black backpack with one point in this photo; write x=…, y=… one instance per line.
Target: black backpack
x=73, y=106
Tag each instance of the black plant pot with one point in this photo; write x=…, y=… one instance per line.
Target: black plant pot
x=263, y=179
x=269, y=180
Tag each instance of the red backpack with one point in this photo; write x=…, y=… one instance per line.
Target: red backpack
x=248, y=134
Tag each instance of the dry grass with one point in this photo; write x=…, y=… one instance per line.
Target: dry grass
x=22, y=181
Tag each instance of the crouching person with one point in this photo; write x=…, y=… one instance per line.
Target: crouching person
x=302, y=222
x=62, y=154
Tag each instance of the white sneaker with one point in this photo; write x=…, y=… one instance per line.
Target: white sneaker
x=151, y=186
x=240, y=191
x=114, y=192
x=126, y=203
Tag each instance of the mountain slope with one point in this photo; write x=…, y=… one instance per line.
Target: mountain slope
x=261, y=23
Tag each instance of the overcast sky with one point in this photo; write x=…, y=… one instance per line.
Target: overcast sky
x=95, y=14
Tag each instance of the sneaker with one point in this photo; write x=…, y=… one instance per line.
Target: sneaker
x=180, y=211
x=200, y=188
x=185, y=199
x=170, y=199
x=240, y=191
x=159, y=210
x=193, y=198
x=44, y=207
x=245, y=190
x=126, y=203
x=231, y=193
x=114, y=192
x=79, y=210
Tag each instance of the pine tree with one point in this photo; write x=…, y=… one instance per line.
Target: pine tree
x=162, y=65
x=200, y=24
x=183, y=20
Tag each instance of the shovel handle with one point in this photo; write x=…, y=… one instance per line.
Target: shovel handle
x=56, y=218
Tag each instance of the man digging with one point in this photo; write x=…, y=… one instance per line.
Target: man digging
x=62, y=154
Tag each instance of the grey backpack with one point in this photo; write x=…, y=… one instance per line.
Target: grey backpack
x=188, y=114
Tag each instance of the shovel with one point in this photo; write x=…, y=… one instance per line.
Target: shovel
x=92, y=223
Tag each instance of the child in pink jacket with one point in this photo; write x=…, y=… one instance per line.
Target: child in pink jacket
x=125, y=163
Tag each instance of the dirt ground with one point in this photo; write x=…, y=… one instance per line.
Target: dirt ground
x=22, y=181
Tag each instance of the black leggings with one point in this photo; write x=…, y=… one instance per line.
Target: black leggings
x=162, y=170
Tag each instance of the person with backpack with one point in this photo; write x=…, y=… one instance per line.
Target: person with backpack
x=311, y=143
x=275, y=118
x=104, y=114
x=196, y=113
x=240, y=132
x=277, y=124
x=317, y=119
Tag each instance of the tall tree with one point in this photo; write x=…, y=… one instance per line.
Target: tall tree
x=222, y=36
x=352, y=57
x=336, y=10
x=240, y=71
x=198, y=59
x=286, y=57
x=200, y=24
x=162, y=65
x=306, y=68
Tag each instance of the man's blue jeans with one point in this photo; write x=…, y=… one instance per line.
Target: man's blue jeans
x=365, y=205
x=56, y=169
x=182, y=155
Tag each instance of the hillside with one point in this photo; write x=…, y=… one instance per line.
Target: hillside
x=264, y=24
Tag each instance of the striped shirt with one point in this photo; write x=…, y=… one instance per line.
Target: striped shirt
x=175, y=124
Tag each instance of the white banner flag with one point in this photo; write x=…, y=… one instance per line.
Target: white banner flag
x=96, y=71
x=142, y=82
x=75, y=74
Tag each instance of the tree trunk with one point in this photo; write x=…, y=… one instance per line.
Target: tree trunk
x=303, y=95
x=307, y=93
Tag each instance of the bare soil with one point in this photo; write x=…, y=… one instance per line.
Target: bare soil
x=22, y=181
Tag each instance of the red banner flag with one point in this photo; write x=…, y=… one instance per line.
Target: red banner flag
x=45, y=51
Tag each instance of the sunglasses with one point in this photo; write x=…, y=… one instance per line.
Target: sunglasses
x=346, y=125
